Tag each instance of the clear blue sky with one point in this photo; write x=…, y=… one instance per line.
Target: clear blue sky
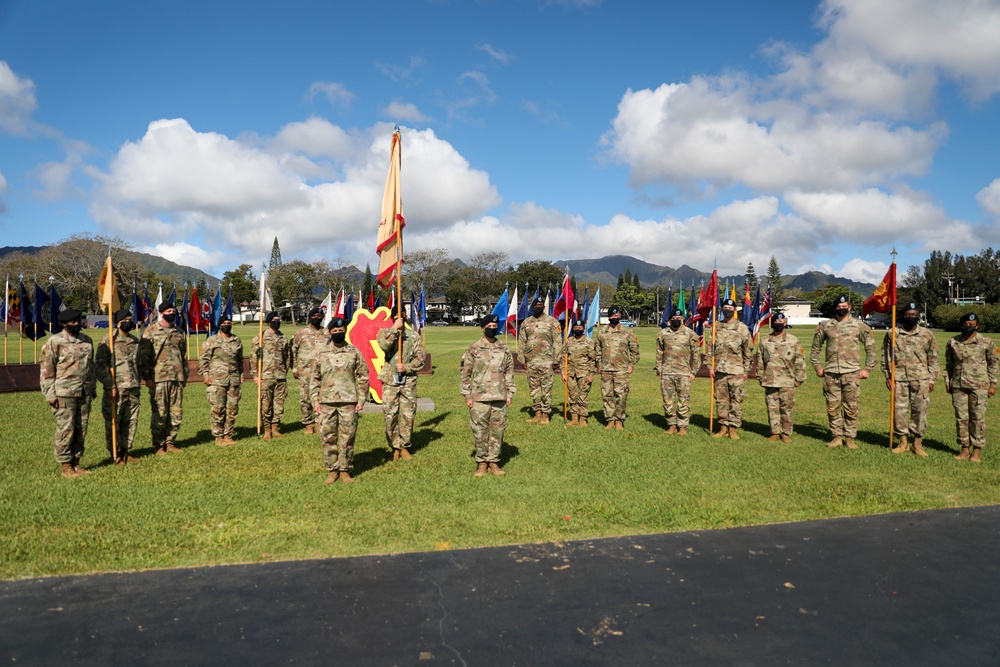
x=681, y=133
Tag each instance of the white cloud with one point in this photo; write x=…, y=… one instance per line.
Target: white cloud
x=863, y=270
x=3, y=189
x=989, y=198
x=398, y=73
x=481, y=82
x=336, y=93
x=404, y=111
x=17, y=100
x=502, y=57
x=186, y=255
x=175, y=183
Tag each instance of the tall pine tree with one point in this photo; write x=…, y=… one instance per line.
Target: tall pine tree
x=751, y=276
x=275, y=257
x=777, y=286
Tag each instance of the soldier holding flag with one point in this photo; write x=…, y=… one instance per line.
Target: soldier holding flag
x=122, y=388
x=916, y=368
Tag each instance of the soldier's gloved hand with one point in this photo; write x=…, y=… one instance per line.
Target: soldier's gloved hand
x=114, y=392
x=888, y=384
x=930, y=388
x=54, y=403
x=260, y=353
x=863, y=374
x=992, y=390
x=295, y=374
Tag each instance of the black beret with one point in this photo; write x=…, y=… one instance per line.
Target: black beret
x=613, y=310
x=538, y=300
x=489, y=319
x=315, y=311
x=728, y=302
x=336, y=322
x=166, y=305
x=69, y=315
x=780, y=316
x=677, y=312
x=122, y=314
x=579, y=323
x=225, y=318
x=968, y=317
x=843, y=299
x=273, y=314
x=911, y=306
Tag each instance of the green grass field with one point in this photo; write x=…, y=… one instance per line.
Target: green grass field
x=265, y=501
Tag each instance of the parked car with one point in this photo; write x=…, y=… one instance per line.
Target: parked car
x=876, y=324
x=439, y=323
x=628, y=323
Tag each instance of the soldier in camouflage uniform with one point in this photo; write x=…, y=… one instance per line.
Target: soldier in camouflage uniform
x=274, y=356
x=916, y=358
x=781, y=367
x=617, y=351
x=163, y=361
x=221, y=366
x=68, y=382
x=579, y=365
x=306, y=342
x=338, y=387
x=399, y=385
x=120, y=402
x=842, y=372
x=729, y=363
x=540, y=342
x=488, y=387
x=677, y=362
x=971, y=379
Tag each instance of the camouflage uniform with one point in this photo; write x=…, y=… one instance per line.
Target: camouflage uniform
x=163, y=360
x=916, y=370
x=580, y=375
x=781, y=366
x=540, y=340
x=677, y=360
x=616, y=348
x=67, y=376
x=841, y=371
x=129, y=385
x=338, y=383
x=221, y=361
x=276, y=357
x=306, y=343
x=488, y=381
x=733, y=357
x=970, y=371
x=399, y=402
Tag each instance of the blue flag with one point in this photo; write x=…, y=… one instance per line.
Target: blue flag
x=228, y=312
x=585, y=305
x=217, y=310
x=500, y=310
x=524, y=309
x=668, y=307
x=594, y=313
x=38, y=327
x=349, y=308
x=182, y=320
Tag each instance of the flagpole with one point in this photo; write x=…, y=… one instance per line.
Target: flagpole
x=260, y=343
x=711, y=398
x=892, y=361
x=566, y=326
x=6, y=316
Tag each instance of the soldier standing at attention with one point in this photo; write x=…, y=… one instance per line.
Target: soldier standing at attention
x=276, y=356
x=916, y=357
x=842, y=373
x=488, y=387
x=306, y=342
x=971, y=377
x=69, y=384
x=781, y=366
x=399, y=384
x=578, y=353
x=124, y=387
x=617, y=352
x=540, y=343
x=338, y=387
x=677, y=362
x=221, y=365
x=163, y=360
x=733, y=355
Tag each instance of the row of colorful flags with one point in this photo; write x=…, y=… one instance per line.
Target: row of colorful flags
x=28, y=315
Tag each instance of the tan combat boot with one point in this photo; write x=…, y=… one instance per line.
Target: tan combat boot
x=345, y=477
x=722, y=432
x=395, y=454
x=733, y=433
x=583, y=421
x=332, y=477
x=537, y=418
x=785, y=437
x=68, y=472
x=495, y=469
x=404, y=454
x=850, y=443
x=672, y=429
x=275, y=433
x=902, y=447
x=545, y=418
x=267, y=432
x=619, y=425
x=220, y=441
x=836, y=442
x=610, y=426
x=918, y=447
x=574, y=420
x=774, y=437
x=683, y=430
x=480, y=470
x=83, y=471
x=975, y=458
x=964, y=454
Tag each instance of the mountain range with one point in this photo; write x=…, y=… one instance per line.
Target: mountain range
x=154, y=263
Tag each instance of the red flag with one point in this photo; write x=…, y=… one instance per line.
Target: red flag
x=371, y=301
x=566, y=300
x=884, y=297
x=195, y=318
x=709, y=298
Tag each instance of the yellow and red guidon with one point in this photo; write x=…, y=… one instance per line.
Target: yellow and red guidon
x=390, y=226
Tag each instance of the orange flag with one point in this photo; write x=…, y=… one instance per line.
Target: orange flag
x=884, y=297
x=390, y=227
x=107, y=290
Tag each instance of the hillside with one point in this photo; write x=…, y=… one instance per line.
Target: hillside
x=159, y=265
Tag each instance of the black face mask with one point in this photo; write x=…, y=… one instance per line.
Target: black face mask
x=778, y=328
x=126, y=326
x=614, y=321
x=316, y=322
x=538, y=310
x=578, y=333
x=909, y=322
x=675, y=324
x=226, y=328
x=170, y=318
x=491, y=332
x=728, y=314
x=338, y=338
x=73, y=328
x=968, y=330
x=842, y=312
x=275, y=325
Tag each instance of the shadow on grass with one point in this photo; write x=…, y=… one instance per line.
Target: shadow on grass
x=656, y=419
x=202, y=437
x=507, y=452
x=435, y=420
